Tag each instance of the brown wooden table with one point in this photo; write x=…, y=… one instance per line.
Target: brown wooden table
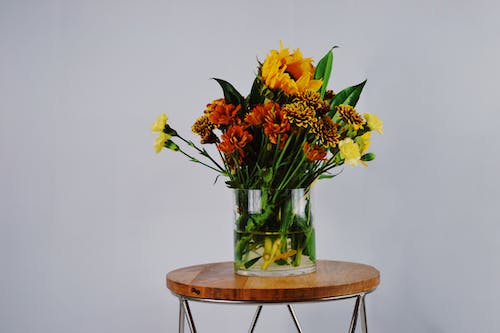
x=217, y=282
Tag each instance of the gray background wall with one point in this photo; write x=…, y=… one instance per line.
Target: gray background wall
x=92, y=219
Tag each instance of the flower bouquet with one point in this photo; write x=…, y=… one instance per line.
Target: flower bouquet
x=273, y=144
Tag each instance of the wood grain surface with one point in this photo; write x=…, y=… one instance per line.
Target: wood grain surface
x=219, y=282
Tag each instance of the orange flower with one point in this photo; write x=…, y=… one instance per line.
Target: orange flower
x=314, y=153
x=276, y=125
x=257, y=115
x=220, y=113
x=233, y=140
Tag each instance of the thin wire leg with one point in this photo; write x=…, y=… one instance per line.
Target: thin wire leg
x=255, y=318
x=354, y=318
x=189, y=316
x=182, y=315
x=362, y=311
x=295, y=320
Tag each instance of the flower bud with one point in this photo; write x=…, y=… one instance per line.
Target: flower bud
x=368, y=157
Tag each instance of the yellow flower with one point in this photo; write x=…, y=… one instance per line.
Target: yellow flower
x=289, y=72
x=363, y=142
x=349, y=151
x=160, y=123
x=374, y=122
x=160, y=141
x=305, y=83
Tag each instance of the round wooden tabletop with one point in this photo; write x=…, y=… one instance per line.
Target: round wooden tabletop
x=217, y=281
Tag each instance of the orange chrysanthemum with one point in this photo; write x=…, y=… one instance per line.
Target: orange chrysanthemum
x=289, y=72
x=276, y=125
x=234, y=140
x=221, y=113
x=314, y=152
x=257, y=116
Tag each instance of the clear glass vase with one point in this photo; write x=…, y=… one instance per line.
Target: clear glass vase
x=273, y=234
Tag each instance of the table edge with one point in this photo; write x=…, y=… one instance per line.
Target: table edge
x=267, y=295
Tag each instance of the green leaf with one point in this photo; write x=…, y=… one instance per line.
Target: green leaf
x=256, y=97
x=324, y=69
x=231, y=95
x=326, y=176
x=310, y=245
x=348, y=96
x=250, y=263
x=241, y=248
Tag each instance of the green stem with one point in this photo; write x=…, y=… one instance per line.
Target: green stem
x=193, y=159
x=202, y=152
x=298, y=257
x=292, y=171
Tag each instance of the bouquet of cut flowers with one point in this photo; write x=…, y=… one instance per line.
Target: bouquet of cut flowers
x=289, y=131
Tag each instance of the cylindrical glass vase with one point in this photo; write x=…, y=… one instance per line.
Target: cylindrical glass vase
x=273, y=234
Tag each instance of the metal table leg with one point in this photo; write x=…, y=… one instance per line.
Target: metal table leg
x=354, y=318
x=359, y=310
x=363, y=314
x=182, y=315
x=188, y=316
x=255, y=318
x=295, y=320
